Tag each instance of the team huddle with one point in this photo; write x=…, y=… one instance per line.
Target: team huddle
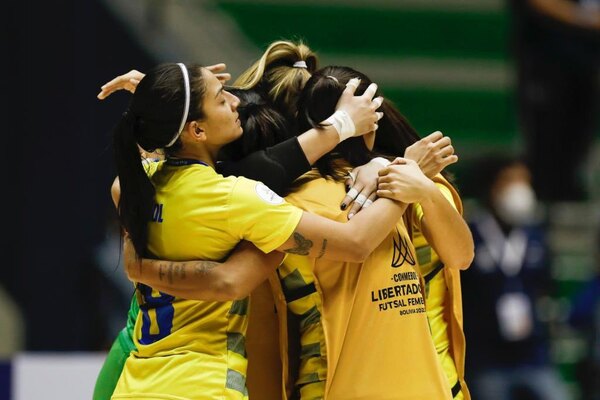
x=289, y=237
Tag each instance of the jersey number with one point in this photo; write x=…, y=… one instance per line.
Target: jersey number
x=157, y=314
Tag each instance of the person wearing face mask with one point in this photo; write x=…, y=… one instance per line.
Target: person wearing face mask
x=508, y=352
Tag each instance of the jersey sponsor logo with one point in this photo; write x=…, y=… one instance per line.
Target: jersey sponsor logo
x=405, y=295
x=267, y=194
x=402, y=252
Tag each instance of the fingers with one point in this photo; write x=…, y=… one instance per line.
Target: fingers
x=377, y=102
x=364, y=199
x=445, y=141
x=449, y=160
x=434, y=137
x=370, y=92
x=399, y=161
x=446, y=151
x=105, y=92
x=385, y=179
x=125, y=82
x=386, y=194
x=216, y=68
x=370, y=200
x=224, y=77
x=385, y=186
x=359, y=202
x=386, y=189
x=351, y=87
x=350, y=196
x=367, y=192
x=350, y=179
x=114, y=82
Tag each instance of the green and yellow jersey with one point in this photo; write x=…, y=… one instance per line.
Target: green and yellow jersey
x=439, y=300
x=366, y=318
x=190, y=349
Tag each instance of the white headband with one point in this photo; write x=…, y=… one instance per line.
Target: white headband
x=186, y=110
x=300, y=64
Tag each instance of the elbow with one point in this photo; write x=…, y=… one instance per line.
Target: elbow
x=461, y=261
x=133, y=270
x=462, y=258
x=230, y=290
x=459, y=265
x=359, y=250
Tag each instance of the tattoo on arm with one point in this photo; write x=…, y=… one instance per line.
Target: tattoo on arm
x=171, y=270
x=323, y=247
x=203, y=267
x=162, y=271
x=303, y=245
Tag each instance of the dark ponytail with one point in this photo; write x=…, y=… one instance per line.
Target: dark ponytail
x=151, y=121
x=137, y=192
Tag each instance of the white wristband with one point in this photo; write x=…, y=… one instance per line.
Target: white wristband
x=384, y=162
x=344, y=125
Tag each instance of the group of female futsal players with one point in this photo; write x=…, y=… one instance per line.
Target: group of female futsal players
x=367, y=307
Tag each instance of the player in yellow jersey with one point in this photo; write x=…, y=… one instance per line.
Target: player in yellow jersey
x=287, y=50
x=362, y=337
x=182, y=209
x=442, y=283
x=444, y=304
x=297, y=277
x=278, y=166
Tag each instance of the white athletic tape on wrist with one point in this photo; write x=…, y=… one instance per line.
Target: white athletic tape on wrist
x=343, y=124
x=382, y=161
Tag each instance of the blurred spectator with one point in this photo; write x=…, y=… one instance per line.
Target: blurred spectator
x=585, y=317
x=507, y=345
x=556, y=46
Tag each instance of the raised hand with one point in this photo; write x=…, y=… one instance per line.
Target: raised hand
x=433, y=153
x=361, y=109
x=128, y=81
x=219, y=71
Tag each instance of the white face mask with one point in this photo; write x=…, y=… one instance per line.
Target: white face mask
x=516, y=204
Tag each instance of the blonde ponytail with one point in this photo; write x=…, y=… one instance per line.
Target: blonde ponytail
x=277, y=76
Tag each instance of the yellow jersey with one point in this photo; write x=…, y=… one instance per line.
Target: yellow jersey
x=442, y=295
x=375, y=340
x=190, y=349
